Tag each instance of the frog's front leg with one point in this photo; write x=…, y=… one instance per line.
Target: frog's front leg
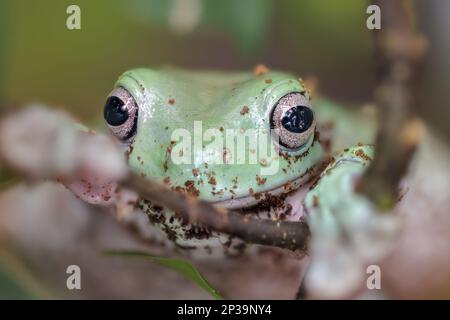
x=347, y=232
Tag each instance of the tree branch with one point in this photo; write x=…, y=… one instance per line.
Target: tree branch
x=399, y=49
x=283, y=234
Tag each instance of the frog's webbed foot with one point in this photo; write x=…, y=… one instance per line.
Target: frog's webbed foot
x=347, y=232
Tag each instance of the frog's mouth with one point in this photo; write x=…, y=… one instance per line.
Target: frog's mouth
x=251, y=200
x=284, y=199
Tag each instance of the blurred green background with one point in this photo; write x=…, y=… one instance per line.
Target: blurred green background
x=42, y=61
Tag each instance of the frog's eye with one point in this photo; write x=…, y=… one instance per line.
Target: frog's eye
x=121, y=113
x=292, y=120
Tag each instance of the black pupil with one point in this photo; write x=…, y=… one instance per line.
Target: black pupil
x=114, y=113
x=298, y=119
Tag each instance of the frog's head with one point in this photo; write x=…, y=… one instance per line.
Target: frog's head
x=186, y=129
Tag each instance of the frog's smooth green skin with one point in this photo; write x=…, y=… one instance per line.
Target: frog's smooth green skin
x=348, y=233
x=342, y=127
x=173, y=99
x=333, y=191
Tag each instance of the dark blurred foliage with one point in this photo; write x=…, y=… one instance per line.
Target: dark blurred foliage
x=43, y=61
x=434, y=20
x=10, y=289
x=3, y=33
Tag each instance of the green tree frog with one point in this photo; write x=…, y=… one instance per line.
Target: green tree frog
x=192, y=130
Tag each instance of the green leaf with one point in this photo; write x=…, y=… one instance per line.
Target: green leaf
x=183, y=267
x=11, y=288
x=246, y=21
x=17, y=281
x=7, y=178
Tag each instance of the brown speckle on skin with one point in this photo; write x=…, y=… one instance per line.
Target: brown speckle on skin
x=128, y=152
x=188, y=189
x=263, y=162
x=195, y=172
x=198, y=233
x=191, y=189
x=235, y=181
x=288, y=186
x=260, y=70
x=315, y=201
x=167, y=156
x=171, y=234
x=302, y=82
x=257, y=196
x=218, y=193
x=212, y=180
x=166, y=180
x=226, y=155
x=269, y=203
x=360, y=153
x=171, y=101
x=288, y=209
x=260, y=181
x=244, y=110
x=268, y=81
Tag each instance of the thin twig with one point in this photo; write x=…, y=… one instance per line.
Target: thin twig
x=399, y=49
x=283, y=234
